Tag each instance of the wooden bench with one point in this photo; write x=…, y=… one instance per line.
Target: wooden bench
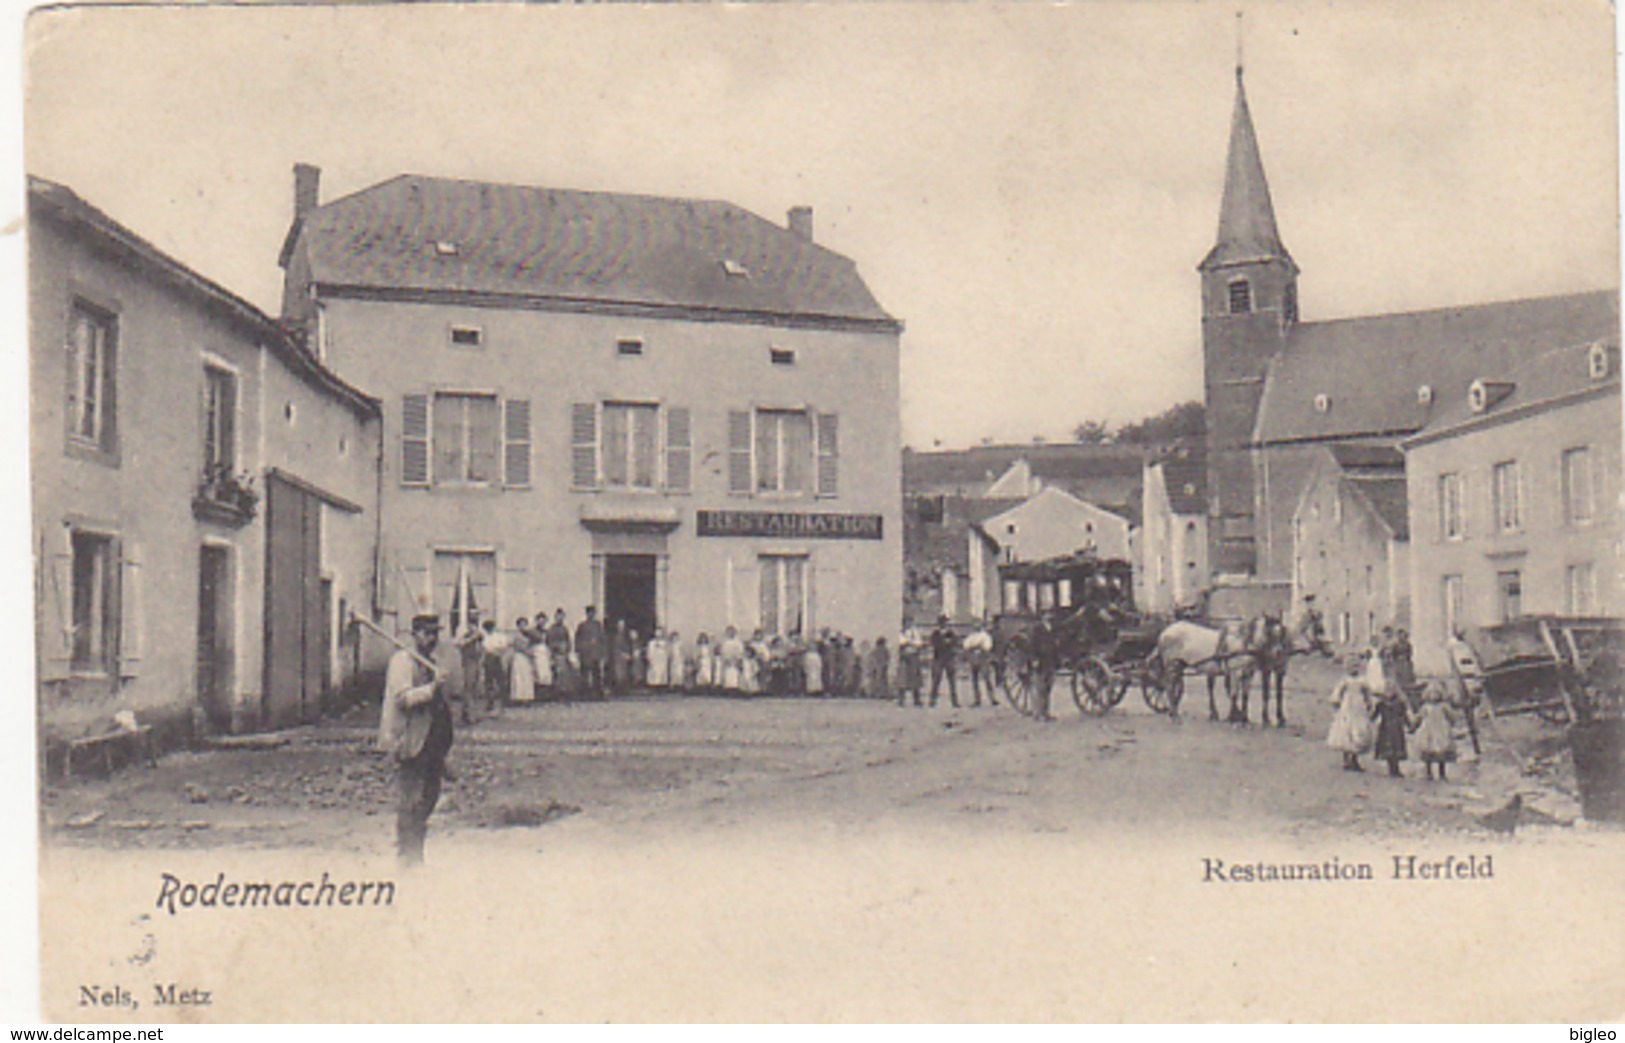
x=139, y=739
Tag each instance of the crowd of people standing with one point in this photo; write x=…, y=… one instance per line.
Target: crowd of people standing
x=545, y=659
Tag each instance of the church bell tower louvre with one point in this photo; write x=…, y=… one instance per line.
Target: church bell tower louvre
x=1249, y=305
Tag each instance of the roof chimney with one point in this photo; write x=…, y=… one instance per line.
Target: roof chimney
x=307, y=189
x=801, y=222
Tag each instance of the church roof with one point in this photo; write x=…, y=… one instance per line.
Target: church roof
x=1364, y=377
x=439, y=235
x=1247, y=230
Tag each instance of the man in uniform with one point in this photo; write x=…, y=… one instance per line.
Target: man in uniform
x=944, y=645
x=591, y=650
x=416, y=728
x=1046, y=653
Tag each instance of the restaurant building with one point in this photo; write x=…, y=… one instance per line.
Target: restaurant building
x=671, y=409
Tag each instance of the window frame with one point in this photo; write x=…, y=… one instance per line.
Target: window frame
x=1572, y=604
x=1506, y=494
x=103, y=443
x=437, y=398
x=103, y=660
x=633, y=407
x=1452, y=507
x=780, y=567
x=809, y=465
x=222, y=426
x=1566, y=473
x=1239, y=290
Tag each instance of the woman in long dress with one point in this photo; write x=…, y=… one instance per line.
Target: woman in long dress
x=703, y=664
x=732, y=653
x=522, y=672
x=1350, y=732
x=674, y=662
x=659, y=665
x=541, y=660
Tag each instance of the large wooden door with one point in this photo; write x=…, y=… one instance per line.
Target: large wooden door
x=296, y=634
x=214, y=630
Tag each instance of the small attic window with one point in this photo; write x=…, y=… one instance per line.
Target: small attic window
x=467, y=336
x=1424, y=395
x=1323, y=403
x=734, y=269
x=629, y=346
x=446, y=248
x=1597, y=361
x=782, y=356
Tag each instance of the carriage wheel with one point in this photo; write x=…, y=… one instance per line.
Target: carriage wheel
x=1162, y=687
x=1096, y=686
x=1015, y=678
x=1092, y=686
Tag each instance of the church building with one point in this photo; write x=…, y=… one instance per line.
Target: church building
x=1281, y=393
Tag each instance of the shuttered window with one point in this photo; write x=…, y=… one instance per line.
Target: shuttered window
x=130, y=615
x=739, y=452
x=415, y=440
x=829, y=454
x=584, y=445
x=96, y=600
x=516, y=443
x=679, y=450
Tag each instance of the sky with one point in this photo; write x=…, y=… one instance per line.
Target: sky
x=1028, y=187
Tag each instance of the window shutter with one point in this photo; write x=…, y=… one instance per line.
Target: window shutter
x=679, y=450
x=113, y=608
x=829, y=454
x=131, y=623
x=56, y=614
x=584, y=445
x=739, y=450
x=516, y=443
x=415, y=440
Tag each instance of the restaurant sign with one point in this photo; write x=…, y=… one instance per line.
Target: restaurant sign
x=788, y=524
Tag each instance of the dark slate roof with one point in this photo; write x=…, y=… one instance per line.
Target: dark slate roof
x=1059, y=463
x=439, y=235
x=1547, y=378
x=1360, y=456
x=1387, y=497
x=928, y=544
x=1247, y=230
x=1185, y=479
x=1371, y=369
x=51, y=199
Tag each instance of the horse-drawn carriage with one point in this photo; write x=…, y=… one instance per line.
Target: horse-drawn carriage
x=1073, y=618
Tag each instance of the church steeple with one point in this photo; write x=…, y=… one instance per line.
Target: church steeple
x=1247, y=231
x=1249, y=308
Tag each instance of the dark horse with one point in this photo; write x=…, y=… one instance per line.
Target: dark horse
x=1274, y=645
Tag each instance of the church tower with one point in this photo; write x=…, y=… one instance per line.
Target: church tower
x=1249, y=304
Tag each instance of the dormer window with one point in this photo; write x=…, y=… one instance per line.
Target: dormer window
x=1597, y=361
x=629, y=346
x=1424, y=395
x=1323, y=403
x=445, y=248
x=1485, y=394
x=735, y=270
x=1241, y=297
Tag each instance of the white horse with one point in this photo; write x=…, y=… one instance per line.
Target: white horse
x=1223, y=652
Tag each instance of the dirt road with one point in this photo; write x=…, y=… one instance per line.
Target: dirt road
x=668, y=763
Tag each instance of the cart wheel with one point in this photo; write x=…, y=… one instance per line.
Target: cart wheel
x=1015, y=678
x=1093, y=686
